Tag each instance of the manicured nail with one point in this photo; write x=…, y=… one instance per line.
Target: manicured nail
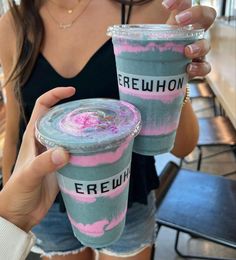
x=183, y=17
x=168, y=3
x=59, y=157
x=193, y=48
x=193, y=67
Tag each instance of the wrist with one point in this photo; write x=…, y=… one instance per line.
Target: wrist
x=18, y=221
x=21, y=221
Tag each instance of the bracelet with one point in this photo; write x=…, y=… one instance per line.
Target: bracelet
x=187, y=95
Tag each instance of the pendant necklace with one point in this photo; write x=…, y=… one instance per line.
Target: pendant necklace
x=62, y=25
x=69, y=11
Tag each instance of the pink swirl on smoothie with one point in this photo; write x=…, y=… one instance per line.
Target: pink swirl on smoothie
x=95, y=229
x=116, y=192
x=86, y=119
x=162, y=130
x=98, y=228
x=116, y=220
x=100, y=158
x=78, y=197
x=152, y=46
x=163, y=97
x=78, y=123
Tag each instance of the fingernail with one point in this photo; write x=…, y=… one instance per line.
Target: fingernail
x=59, y=157
x=183, y=17
x=193, y=48
x=168, y=3
x=193, y=67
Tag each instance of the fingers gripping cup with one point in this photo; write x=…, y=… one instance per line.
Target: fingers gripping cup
x=99, y=135
x=151, y=70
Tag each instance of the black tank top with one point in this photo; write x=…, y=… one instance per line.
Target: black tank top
x=97, y=79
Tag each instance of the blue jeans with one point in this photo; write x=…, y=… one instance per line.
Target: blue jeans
x=55, y=236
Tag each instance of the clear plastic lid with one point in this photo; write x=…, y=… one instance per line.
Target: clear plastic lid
x=89, y=125
x=155, y=32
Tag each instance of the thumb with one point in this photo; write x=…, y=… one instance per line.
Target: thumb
x=46, y=163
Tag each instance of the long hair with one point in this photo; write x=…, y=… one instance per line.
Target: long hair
x=30, y=35
x=29, y=29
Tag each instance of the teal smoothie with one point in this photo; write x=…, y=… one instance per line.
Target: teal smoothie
x=99, y=135
x=151, y=71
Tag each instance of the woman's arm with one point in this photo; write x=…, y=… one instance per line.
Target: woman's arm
x=187, y=132
x=7, y=50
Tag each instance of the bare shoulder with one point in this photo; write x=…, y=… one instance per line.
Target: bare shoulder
x=8, y=37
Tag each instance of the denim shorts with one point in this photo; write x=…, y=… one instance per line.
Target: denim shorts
x=55, y=236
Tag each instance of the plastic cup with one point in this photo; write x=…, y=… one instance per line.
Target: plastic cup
x=151, y=69
x=99, y=135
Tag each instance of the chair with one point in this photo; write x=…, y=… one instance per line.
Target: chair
x=214, y=131
x=200, y=89
x=200, y=204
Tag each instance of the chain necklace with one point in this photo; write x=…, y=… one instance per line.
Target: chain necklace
x=70, y=10
x=64, y=26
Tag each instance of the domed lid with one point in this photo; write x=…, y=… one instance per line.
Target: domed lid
x=89, y=125
x=155, y=32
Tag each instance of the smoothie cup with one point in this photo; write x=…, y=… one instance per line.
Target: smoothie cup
x=99, y=134
x=151, y=71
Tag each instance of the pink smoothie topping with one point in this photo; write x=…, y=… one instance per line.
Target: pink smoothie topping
x=78, y=123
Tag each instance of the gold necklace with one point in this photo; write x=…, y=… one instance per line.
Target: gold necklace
x=64, y=26
x=70, y=10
